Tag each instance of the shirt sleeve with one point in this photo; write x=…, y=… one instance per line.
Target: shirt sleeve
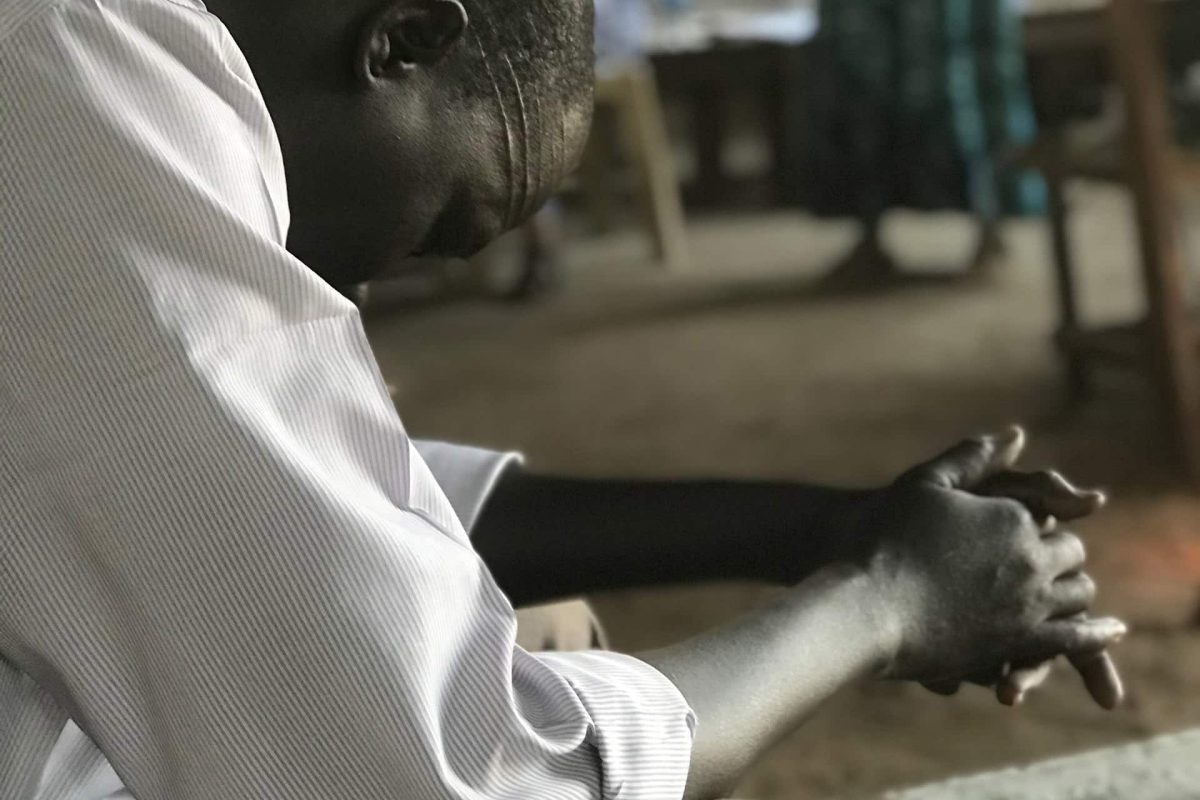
x=224, y=557
x=466, y=474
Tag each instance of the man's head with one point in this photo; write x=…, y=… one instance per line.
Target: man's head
x=416, y=126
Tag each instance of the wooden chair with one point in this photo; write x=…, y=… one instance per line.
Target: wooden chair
x=630, y=94
x=1146, y=158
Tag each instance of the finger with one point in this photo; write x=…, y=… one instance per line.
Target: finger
x=1072, y=595
x=1045, y=493
x=1013, y=688
x=970, y=463
x=1064, y=553
x=1072, y=637
x=1101, y=678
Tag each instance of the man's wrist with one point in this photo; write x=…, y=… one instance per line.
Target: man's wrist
x=887, y=620
x=828, y=529
x=881, y=616
x=870, y=618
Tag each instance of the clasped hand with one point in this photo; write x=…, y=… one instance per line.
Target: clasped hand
x=980, y=583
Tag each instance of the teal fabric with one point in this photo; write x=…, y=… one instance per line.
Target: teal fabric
x=916, y=103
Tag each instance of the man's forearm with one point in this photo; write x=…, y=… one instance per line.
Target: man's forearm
x=756, y=680
x=547, y=538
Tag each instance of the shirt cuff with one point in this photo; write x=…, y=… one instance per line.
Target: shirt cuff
x=467, y=475
x=641, y=726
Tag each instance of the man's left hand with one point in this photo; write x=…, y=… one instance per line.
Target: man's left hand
x=1051, y=498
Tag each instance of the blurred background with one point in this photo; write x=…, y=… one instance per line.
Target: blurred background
x=820, y=241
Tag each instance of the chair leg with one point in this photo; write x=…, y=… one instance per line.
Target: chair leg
x=646, y=137
x=1078, y=380
x=1141, y=75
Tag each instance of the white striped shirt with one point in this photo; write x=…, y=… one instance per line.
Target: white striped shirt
x=221, y=557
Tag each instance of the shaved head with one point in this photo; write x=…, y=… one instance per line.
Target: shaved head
x=416, y=126
x=533, y=59
x=543, y=43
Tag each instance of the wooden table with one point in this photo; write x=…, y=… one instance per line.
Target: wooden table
x=1067, y=60
x=708, y=83
x=1068, y=72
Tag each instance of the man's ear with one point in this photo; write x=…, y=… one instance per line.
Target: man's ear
x=406, y=34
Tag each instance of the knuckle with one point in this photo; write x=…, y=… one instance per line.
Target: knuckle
x=1013, y=517
x=1022, y=516
x=1026, y=564
x=1030, y=558
x=1034, y=610
x=983, y=445
x=1041, y=600
x=1074, y=547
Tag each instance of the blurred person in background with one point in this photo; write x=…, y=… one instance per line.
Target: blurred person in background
x=916, y=104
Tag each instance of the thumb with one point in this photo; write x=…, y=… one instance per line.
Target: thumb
x=970, y=463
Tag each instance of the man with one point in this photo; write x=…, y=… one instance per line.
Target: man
x=915, y=105
x=225, y=570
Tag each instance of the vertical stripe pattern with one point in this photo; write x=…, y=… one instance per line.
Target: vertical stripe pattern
x=225, y=570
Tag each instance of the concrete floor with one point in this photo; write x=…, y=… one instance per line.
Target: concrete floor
x=1163, y=768
x=737, y=369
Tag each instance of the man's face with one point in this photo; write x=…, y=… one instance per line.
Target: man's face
x=438, y=158
x=524, y=96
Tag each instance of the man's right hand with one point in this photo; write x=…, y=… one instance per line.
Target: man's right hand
x=971, y=583
x=954, y=585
